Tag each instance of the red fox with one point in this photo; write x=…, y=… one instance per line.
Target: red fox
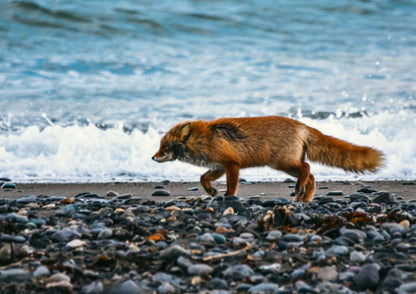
x=227, y=145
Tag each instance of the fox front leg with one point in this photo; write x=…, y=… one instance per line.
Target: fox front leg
x=209, y=177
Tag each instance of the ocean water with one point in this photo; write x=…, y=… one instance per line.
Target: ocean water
x=87, y=88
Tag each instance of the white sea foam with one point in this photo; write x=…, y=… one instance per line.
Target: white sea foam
x=88, y=153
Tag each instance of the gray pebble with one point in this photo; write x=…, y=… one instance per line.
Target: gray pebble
x=173, y=252
x=357, y=256
x=273, y=268
x=384, y=197
x=327, y=273
x=337, y=250
x=268, y=288
x=356, y=236
x=164, y=193
x=26, y=199
x=8, y=186
x=206, y=238
x=359, y=197
x=130, y=286
x=41, y=271
x=367, y=278
x=93, y=288
x=334, y=193
x=274, y=236
x=238, y=272
x=14, y=275
x=406, y=288
x=200, y=269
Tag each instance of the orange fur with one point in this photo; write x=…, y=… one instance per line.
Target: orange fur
x=227, y=145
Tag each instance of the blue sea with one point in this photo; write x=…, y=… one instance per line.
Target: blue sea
x=87, y=88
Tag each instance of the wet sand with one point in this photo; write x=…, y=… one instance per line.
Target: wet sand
x=268, y=190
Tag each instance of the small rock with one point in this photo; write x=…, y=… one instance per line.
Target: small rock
x=273, y=236
x=41, y=271
x=384, y=197
x=334, y=193
x=357, y=256
x=268, y=288
x=228, y=210
x=238, y=272
x=200, y=269
x=406, y=288
x=366, y=189
x=219, y=239
x=166, y=288
x=327, y=273
x=75, y=243
x=8, y=185
x=271, y=268
x=206, y=238
x=392, y=280
x=26, y=199
x=5, y=253
x=356, y=236
x=337, y=250
x=173, y=252
x=405, y=224
x=163, y=193
x=367, y=278
x=61, y=286
x=359, y=197
x=14, y=275
x=105, y=233
x=130, y=287
x=93, y=288
x=59, y=277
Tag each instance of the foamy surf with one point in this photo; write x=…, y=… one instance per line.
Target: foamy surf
x=88, y=153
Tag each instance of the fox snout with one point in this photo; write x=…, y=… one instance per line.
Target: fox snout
x=162, y=157
x=170, y=152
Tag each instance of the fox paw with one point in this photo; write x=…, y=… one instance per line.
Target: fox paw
x=211, y=191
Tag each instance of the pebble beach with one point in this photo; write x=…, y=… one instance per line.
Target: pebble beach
x=169, y=237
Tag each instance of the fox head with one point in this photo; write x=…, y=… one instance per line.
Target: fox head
x=172, y=145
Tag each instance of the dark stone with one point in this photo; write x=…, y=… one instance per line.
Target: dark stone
x=334, y=193
x=163, y=193
x=8, y=186
x=384, y=197
x=26, y=199
x=367, y=278
x=359, y=197
x=366, y=190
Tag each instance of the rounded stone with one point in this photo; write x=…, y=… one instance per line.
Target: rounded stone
x=273, y=236
x=238, y=272
x=163, y=193
x=264, y=288
x=367, y=278
x=200, y=269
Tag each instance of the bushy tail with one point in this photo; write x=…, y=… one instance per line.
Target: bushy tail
x=337, y=153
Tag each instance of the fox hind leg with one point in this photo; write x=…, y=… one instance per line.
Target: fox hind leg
x=208, y=177
x=301, y=171
x=309, y=189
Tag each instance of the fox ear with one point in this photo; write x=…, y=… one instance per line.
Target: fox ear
x=185, y=131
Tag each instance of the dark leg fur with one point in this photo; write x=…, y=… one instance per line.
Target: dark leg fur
x=304, y=186
x=208, y=177
x=232, y=180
